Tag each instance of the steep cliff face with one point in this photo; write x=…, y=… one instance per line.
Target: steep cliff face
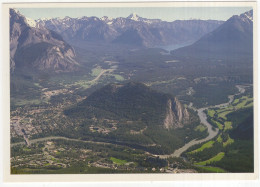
x=176, y=115
x=54, y=58
x=170, y=118
x=38, y=48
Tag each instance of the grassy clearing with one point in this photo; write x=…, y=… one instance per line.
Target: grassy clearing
x=216, y=158
x=228, y=125
x=249, y=105
x=204, y=146
x=236, y=101
x=220, y=126
x=221, y=110
x=83, y=83
x=223, y=114
x=89, y=83
x=228, y=142
x=118, y=77
x=21, y=102
x=219, y=139
x=26, y=149
x=211, y=113
x=118, y=161
x=244, y=102
x=96, y=71
x=200, y=128
x=37, y=85
x=161, y=82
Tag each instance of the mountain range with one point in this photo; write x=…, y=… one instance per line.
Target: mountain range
x=45, y=44
x=132, y=30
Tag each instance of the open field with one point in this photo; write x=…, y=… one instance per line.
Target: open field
x=216, y=158
x=218, y=115
x=204, y=146
x=211, y=113
x=218, y=151
x=228, y=125
x=228, y=142
x=219, y=139
x=200, y=128
x=118, y=161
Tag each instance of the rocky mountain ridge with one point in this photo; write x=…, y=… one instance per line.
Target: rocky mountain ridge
x=233, y=38
x=38, y=48
x=145, y=32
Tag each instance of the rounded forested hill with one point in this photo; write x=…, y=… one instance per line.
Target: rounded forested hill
x=133, y=101
x=134, y=114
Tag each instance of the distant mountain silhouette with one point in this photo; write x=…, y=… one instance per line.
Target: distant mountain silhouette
x=133, y=30
x=232, y=39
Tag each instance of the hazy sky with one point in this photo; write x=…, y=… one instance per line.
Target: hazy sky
x=164, y=13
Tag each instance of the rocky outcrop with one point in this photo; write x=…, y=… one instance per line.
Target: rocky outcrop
x=54, y=59
x=176, y=115
x=170, y=118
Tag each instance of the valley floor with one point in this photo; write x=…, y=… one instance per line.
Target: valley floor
x=56, y=159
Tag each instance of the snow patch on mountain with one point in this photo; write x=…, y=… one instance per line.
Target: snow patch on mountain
x=249, y=17
x=43, y=19
x=30, y=22
x=105, y=18
x=134, y=17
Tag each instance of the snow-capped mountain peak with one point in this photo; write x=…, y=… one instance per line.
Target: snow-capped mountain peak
x=30, y=22
x=42, y=19
x=105, y=18
x=149, y=31
x=67, y=18
x=134, y=17
x=16, y=11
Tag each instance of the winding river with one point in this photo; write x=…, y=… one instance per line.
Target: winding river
x=203, y=118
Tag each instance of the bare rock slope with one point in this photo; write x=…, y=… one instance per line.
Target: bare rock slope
x=38, y=48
